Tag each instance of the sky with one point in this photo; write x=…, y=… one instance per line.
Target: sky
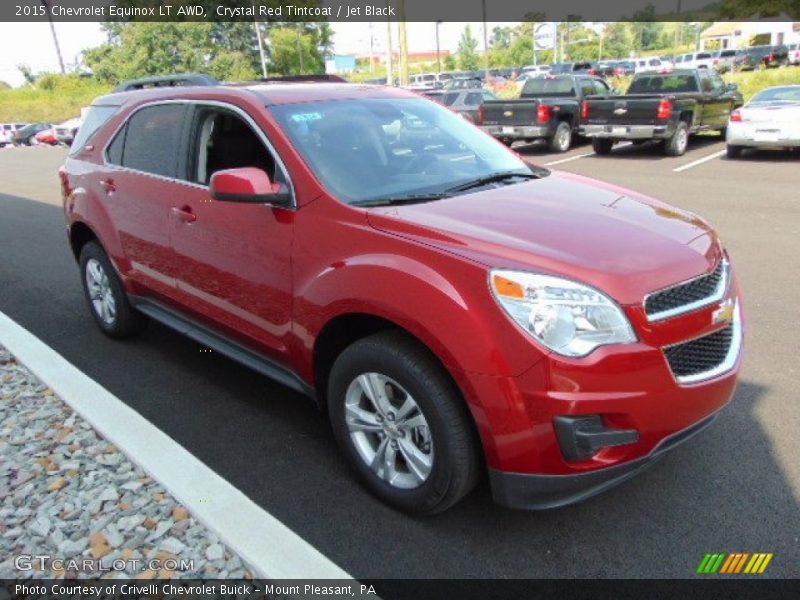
x=32, y=44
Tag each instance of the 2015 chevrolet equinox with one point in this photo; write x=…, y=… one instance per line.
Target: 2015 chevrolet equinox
x=454, y=309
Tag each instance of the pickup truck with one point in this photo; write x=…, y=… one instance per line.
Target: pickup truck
x=661, y=106
x=548, y=108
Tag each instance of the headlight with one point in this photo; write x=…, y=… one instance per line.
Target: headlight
x=565, y=316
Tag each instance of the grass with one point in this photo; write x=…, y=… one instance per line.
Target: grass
x=53, y=100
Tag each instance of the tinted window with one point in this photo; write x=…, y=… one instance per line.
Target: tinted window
x=587, y=89
x=114, y=152
x=449, y=98
x=654, y=84
x=600, y=88
x=561, y=86
x=153, y=138
x=473, y=98
x=702, y=55
x=95, y=118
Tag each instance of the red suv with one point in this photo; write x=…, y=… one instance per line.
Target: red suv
x=453, y=309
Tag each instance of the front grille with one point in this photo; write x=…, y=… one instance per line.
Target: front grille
x=700, y=355
x=684, y=295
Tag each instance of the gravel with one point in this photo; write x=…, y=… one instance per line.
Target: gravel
x=67, y=493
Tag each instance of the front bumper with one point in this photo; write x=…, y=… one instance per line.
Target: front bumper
x=517, y=132
x=633, y=406
x=541, y=492
x=626, y=132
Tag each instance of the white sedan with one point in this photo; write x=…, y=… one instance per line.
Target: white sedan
x=770, y=120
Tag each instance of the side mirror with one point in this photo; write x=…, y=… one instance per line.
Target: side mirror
x=732, y=87
x=248, y=184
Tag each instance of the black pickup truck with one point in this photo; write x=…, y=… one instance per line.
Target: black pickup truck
x=661, y=106
x=548, y=108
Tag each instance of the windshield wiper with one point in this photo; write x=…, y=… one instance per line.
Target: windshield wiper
x=493, y=178
x=406, y=199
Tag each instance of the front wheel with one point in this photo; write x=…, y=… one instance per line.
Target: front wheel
x=602, y=145
x=562, y=138
x=677, y=144
x=402, y=424
x=108, y=303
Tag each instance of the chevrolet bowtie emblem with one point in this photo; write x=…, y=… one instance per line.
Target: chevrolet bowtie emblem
x=508, y=113
x=620, y=111
x=724, y=314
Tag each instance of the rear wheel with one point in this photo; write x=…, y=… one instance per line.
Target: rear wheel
x=677, y=144
x=602, y=145
x=733, y=151
x=108, y=303
x=562, y=138
x=402, y=424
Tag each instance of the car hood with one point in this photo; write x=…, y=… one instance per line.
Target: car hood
x=622, y=242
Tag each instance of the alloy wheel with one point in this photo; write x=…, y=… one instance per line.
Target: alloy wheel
x=101, y=295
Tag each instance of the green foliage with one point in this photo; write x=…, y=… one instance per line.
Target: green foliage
x=468, y=59
x=229, y=51
x=54, y=99
x=449, y=63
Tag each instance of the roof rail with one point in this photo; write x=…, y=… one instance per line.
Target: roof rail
x=166, y=81
x=304, y=79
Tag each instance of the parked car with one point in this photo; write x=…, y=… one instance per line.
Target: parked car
x=793, y=53
x=7, y=132
x=548, y=109
x=462, y=83
x=771, y=119
x=761, y=57
x=26, y=136
x=624, y=67
x=567, y=68
x=694, y=60
x=66, y=131
x=47, y=137
x=650, y=65
x=454, y=309
x=606, y=68
x=668, y=107
x=533, y=70
x=723, y=60
x=466, y=102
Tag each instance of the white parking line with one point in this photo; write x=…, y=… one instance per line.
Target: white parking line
x=268, y=546
x=565, y=160
x=699, y=161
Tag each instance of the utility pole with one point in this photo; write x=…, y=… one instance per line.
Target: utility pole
x=299, y=49
x=46, y=5
x=401, y=13
x=263, y=56
x=389, y=58
x=438, y=59
x=485, y=43
x=371, y=50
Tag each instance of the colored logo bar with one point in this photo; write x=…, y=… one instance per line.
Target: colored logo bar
x=734, y=563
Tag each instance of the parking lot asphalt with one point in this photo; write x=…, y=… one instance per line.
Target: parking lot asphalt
x=734, y=488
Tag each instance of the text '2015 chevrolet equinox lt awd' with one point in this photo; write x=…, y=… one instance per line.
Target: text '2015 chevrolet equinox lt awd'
x=453, y=309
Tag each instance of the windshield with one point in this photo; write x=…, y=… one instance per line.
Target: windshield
x=373, y=148
x=778, y=94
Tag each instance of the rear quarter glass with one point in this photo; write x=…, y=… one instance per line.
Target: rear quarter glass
x=96, y=117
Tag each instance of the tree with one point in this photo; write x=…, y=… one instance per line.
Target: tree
x=27, y=74
x=467, y=51
x=501, y=37
x=294, y=51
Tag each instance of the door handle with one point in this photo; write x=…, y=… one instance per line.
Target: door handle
x=108, y=185
x=184, y=214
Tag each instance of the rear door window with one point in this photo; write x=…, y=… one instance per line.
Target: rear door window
x=153, y=139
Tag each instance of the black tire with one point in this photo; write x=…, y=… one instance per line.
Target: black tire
x=676, y=145
x=733, y=151
x=562, y=138
x=455, y=456
x=126, y=320
x=602, y=145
